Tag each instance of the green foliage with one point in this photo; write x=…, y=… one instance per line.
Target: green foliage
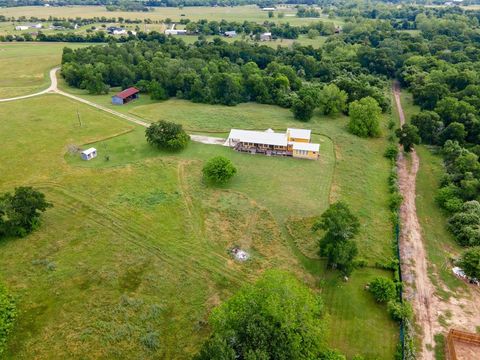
x=340, y=227
x=275, y=318
x=429, y=126
x=391, y=152
x=8, y=314
x=408, y=136
x=219, y=170
x=157, y=92
x=20, y=212
x=365, y=117
x=332, y=100
x=303, y=108
x=382, y=289
x=465, y=225
x=400, y=311
x=167, y=135
x=470, y=262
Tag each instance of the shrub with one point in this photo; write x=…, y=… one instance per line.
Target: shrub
x=395, y=200
x=219, y=170
x=383, y=289
x=465, y=225
x=447, y=197
x=8, y=314
x=399, y=311
x=470, y=262
x=391, y=152
x=167, y=135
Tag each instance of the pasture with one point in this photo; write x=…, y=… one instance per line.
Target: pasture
x=24, y=67
x=237, y=13
x=130, y=236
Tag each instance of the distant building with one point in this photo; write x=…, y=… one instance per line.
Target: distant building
x=113, y=30
x=28, y=26
x=125, y=96
x=230, y=34
x=21, y=27
x=175, y=32
x=89, y=154
x=294, y=142
x=266, y=36
x=268, y=9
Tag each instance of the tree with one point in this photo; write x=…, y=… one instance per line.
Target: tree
x=429, y=126
x=20, y=212
x=167, y=135
x=340, y=227
x=313, y=33
x=365, y=117
x=455, y=132
x=95, y=85
x=382, y=289
x=157, y=92
x=8, y=314
x=408, y=136
x=303, y=108
x=332, y=100
x=219, y=170
x=275, y=318
x=470, y=262
x=465, y=225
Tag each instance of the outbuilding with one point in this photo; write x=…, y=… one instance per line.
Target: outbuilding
x=125, y=96
x=89, y=154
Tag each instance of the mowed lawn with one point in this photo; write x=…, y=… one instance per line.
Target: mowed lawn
x=234, y=13
x=134, y=254
x=24, y=67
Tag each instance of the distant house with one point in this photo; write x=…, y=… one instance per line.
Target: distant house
x=113, y=30
x=294, y=142
x=21, y=27
x=175, y=32
x=230, y=34
x=266, y=36
x=268, y=9
x=89, y=154
x=28, y=26
x=125, y=96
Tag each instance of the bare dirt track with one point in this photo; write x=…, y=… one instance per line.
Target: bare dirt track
x=419, y=289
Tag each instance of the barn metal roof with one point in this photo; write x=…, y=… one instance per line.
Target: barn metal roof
x=127, y=92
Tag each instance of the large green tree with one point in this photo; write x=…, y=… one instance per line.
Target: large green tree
x=167, y=135
x=275, y=318
x=332, y=100
x=20, y=212
x=408, y=136
x=429, y=126
x=340, y=226
x=365, y=117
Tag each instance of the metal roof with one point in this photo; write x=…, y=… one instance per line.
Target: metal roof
x=299, y=133
x=89, y=151
x=258, y=137
x=306, y=146
x=127, y=92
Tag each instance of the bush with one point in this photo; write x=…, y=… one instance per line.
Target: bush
x=470, y=262
x=394, y=201
x=391, y=152
x=8, y=314
x=167, y=135
x=399, y=311
x=465, y=224
x=383, y=289
x=219, y=170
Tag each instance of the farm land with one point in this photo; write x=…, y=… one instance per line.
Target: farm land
x=129, y=237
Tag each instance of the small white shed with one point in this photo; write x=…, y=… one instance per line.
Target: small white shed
x=89, y=154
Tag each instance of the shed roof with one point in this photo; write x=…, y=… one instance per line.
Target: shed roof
x=258, y=137
x=299, y=133
x=127, y=92
x=306, y=146
x=89, y=151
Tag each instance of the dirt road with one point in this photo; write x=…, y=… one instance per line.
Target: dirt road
x=419, y=289
x=53, y=88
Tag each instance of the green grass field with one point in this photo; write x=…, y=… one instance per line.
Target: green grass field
x=24, y=67
x=103, y=272
x=249, y=13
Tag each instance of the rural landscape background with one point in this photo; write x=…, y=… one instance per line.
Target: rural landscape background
x=135, y=254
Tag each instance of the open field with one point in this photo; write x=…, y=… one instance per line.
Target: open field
x=129, y=237
x=237, y=13
x=24, y=67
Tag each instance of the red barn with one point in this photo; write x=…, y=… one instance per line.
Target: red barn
x=125, y=96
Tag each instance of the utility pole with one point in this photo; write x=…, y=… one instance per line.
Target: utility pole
x=79, y=120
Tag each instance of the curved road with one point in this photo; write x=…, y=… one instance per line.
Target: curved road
x=53, y=89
